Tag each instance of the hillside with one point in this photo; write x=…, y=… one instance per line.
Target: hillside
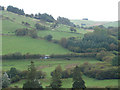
x=111, y=24
x=88, y=22
x=12, y=43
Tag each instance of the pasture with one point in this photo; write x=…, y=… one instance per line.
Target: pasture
x=48, y=65
x=57, y=35
x=24, y=44
x=88, y=22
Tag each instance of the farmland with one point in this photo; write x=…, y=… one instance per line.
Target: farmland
x=12, y=44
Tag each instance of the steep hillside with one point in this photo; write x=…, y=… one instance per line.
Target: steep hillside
x=25, y=44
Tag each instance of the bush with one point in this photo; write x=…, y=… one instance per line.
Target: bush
x=21, y=32
x=41, y=27
x=33, y=34
x=99, y=71
x=48, y=37
x=40, y=74
x=116, y=61
x=15, y=79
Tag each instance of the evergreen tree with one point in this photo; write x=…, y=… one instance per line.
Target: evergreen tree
x=5, y=80
x=77, y=79
x=32, y=81
x=56, y=76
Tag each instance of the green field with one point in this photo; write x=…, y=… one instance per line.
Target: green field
x=111, y=24
x=19, y=18
x=58, y=35
x=12, y=44
x=48, y=65
x=88, y=22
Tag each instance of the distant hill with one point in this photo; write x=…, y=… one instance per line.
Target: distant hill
x=112, y=24
x=88, y=22
x=95, y=23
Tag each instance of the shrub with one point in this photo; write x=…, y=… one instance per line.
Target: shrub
x=48, y=37
x=40, y=74
x=15, y=79
x=21, y=32
x=41, y=27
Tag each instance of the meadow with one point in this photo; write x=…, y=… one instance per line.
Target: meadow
x=12, y=44
x=88, y=22
x=57, y=35
x=48, y=65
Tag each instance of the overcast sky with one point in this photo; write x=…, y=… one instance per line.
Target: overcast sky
x=98, y=10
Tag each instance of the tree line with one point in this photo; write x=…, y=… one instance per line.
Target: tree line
x=15, y=10
x=100, y=39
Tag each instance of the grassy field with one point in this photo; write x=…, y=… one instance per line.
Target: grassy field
x=58, y=35
x=8, y=27
x=19, y=18
x=49, y=65
x=12, y=44
x=113, y=24
x=88, y=22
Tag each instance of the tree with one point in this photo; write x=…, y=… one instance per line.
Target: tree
x=40, y=27
x=78, y=81
x=33, y=34
x=21, y=32
x=63, y=42
x=65, y=21
x=5, y=80
x=32, y=81
x=72, y=29
x=115, y=61
x=56, y=76
x=48, y=37
x=15, y=10
x=13, y=72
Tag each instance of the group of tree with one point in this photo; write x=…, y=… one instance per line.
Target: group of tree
x=57, y=75
x=72, y=29
x=41, y=27
x=26, y=32
x=93, y=41
x=44, y=17
x=65, y=21
x=15, y=10
x=100, y=71
x=2, y=8
x=33, y=82
x=25, y=23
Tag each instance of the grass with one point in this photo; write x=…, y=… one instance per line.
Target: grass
x=12, y=44
x=23, y=64
x=19, y=18
x=58, y=35
x=88, y=22
x=66, y=83
x=8, y=27
x=113, y=24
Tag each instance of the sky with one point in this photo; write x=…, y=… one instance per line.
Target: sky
x=97, y=10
